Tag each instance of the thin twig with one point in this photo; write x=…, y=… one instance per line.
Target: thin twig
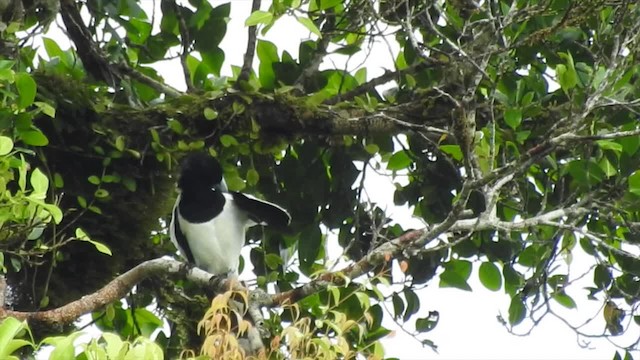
x=247, y=64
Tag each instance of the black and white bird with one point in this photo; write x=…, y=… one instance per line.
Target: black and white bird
x=209, y=222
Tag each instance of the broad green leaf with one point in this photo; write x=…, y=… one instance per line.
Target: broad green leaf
x=7, y=75
x=634, y=183
x=113, y=345
x=630, y=144
x=327, y=4
x=40, y=183
x=429, y=323
x=602, y=276
x=26, y=89
x=413, y=303
x=82, y=236
x=9, y=329
x=606, y=166
x=310, y=245
x=252, y=177
x=228, y=140
x=33, y=137
x=450, y=278
x=46, y=109
x=513, y=117
x=490, y=276
x=6, y=145
x=564, y=300
x=610, y=145
x=210, y=114
x=259, y=17
x=120, y=143
x=306, y=22
x=398, y=161
x=453, y=150
x=517, y=311
x=94, y=180
x=63, y=348
x=372, y=148
x=101, y=193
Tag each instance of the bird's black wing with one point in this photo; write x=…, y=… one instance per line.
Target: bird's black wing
x=181, y=239
x=262, y=212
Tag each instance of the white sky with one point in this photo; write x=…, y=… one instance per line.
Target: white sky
x=468, y=328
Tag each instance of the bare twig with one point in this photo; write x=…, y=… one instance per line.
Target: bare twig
x=186, y=45
x=149, y=81
x=382, y=79
x=251, y=47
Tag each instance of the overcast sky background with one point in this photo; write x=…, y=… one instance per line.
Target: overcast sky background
x=468, y=327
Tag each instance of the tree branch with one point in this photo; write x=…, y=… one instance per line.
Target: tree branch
x=94, y=62
x=382, y=79
x=151, y=82
x=251, y=47
x=186, y=43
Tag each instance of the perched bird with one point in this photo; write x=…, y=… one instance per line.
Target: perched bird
x=209, y=222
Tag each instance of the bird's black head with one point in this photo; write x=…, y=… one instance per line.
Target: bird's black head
x=200, y=171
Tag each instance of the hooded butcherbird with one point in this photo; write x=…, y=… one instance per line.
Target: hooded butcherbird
x=209, y=222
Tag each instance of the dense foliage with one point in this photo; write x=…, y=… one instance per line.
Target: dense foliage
x=509, y=127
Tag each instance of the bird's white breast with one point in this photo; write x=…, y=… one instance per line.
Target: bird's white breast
x=216, y=244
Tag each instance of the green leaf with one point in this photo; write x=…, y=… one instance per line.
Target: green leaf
x=63, y=347
x=228, y=140
x=398, y=305
x=429, y=323
x=94, y=180
x=26, y=89
x=372, y=149
x=101, y=193
x=306, y=22
x=413, y=303
x=33, y=137
x=9, y=330
x=453, y=150
x=513, y=117
x=252, y=177
x=40, y=183
x=564, y=300
x=82, y=236
x=606, y=166
x=610, y=145
x=399, y=160
x=52, y=48
x=634, y=183
x=6, y=145
x=567, y=75
x=210, y=114
x=58, y=181
x=259, y=17
x=517, y=311
x=120, y=144
x=309, y=248
x=46, y=108
x=602, y=276
x=7, y=75
x=490, y=276
x=450, y=278
x=327, y=4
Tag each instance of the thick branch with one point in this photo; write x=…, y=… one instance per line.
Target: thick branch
x=94, y=62
x=114, y=290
